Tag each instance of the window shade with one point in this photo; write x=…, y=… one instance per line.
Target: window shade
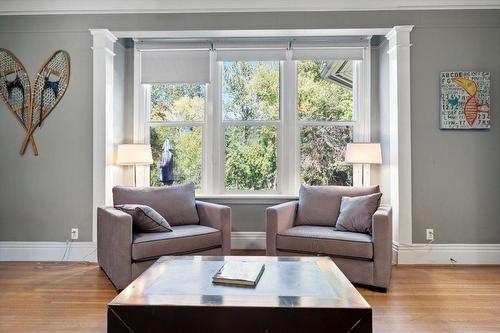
x=340, y=53
x=251, y=49
x=175, y=66
x=251, y=55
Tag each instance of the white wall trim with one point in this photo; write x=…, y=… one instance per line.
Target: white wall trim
x=417, y=254
x=400, y=132
x=440, y=254
x=210, y=34
x=248, y=240
x=102, y=121
x=48, y=251
x=43, y=7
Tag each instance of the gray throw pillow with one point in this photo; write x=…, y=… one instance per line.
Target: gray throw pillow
x=145, y=218
x=176, y=203
x=320, y=205
x=356, y=213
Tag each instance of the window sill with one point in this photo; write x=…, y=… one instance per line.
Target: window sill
x=251, y=199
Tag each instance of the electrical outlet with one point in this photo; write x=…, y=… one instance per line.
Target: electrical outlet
x=74, y=233
x=429, y=234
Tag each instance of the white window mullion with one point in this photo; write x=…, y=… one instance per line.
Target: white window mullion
x=208, y=147
x=282, y=134
x=357, y=129
x=288, y=144
x=227, y=123
x=217, y=138
x=365, y=101
x=294, y=128
x=361, y=96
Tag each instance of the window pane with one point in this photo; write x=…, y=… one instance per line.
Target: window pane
x=177, y=102
x=250, y=158
x=324, y=90
x=322, y=150
x=183, y=163
x=251, y=90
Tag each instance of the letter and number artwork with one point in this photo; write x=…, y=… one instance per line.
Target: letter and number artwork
x=31, y=104
x=465, y=100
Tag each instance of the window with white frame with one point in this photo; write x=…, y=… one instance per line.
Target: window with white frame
x=251, y=119
x=241, y=120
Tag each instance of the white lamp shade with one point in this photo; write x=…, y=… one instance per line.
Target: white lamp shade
x=134, y=155
x=364, y=153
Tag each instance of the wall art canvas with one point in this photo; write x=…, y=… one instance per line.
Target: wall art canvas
x=465, y=100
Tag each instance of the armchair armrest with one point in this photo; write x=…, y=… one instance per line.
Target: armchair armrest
x=114, y=244
x=278, y=218
x=382, y=245
x=217, y=217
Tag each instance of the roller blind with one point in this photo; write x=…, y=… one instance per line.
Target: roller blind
x=175, y=66
x=251, y=49
x=250, y=55
x=334, y=53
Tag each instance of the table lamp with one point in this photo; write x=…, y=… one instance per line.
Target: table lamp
x=363, y=153
x=134, y=154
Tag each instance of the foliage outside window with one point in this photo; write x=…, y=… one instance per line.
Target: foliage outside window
x=322, y=145
x=250, y=92
x=251, y=124
x=170, y=104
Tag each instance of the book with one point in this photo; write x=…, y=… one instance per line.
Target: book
x=239, y=273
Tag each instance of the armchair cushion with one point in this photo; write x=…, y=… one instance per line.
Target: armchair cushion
x=325, y=240
x=356, y=213
x=182, y=240
x=320, y=205
x=175, y=203
x=145, y=218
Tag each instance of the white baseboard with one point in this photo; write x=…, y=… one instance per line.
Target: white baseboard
x=248, y=240
x=48, y=251
x=440, y=254
x=418, y=254
x=86, y=251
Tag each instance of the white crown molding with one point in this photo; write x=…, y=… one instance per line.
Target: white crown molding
x=45, y=7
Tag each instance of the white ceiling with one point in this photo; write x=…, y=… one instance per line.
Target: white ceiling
x=36, y=7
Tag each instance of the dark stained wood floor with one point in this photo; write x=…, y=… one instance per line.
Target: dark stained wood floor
x=72, y=297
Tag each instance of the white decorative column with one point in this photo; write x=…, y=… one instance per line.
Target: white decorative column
x=102, y=174
x=400, y=134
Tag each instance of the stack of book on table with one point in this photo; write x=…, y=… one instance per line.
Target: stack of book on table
x=246, y=274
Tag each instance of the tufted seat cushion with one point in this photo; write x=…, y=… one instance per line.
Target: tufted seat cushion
x=325, y=240
x=182, y=240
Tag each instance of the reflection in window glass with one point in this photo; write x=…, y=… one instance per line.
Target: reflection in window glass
x=177, y=102
x=324, y=90
x=250, y=153
x=251, y=90
x=322, y=151
x=185, y=154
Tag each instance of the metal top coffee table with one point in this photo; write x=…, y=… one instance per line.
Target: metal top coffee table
x=295, y=294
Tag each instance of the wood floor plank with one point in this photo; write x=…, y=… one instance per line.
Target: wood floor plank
x=72, y=297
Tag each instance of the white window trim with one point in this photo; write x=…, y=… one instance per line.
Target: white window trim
x=288, y=128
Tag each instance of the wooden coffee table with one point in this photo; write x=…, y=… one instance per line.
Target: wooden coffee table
x=295, y=294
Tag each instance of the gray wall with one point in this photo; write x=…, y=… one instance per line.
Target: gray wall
x=454, y=181
x=43, y=197
x=456, y=184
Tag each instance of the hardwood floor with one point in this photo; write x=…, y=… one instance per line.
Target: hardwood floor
x=72, y=297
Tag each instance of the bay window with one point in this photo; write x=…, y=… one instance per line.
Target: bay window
x=263, y=118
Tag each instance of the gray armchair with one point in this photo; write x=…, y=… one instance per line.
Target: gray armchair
x=365, y=259
x=124, y=254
